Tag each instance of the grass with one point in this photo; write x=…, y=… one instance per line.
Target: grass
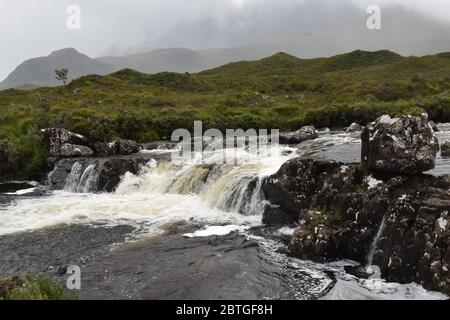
x=280, y=91
x=31, y=288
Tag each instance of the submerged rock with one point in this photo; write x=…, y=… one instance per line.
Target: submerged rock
x=354, y=127
x=399, y=223
x=445, y=149
x=299, y=136
x=403, y=144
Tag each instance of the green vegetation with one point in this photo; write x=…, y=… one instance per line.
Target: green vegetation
x=32, y=289
x=61, y=75
x=281, y=91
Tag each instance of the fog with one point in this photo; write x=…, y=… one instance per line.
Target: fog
x=306, y=28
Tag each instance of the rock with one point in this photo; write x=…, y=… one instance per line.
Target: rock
x=55, y=138
x=354, y=127
x=106, y=173
x=118, y=147
x=434, y=126
x=72, y=150
x=299, y=136
x=445, y=149
x=339, y=211
x=105, y=149
x=126, y=147
x=111, y=171
x=294, y=186
x=403, y=144
x=158, y=145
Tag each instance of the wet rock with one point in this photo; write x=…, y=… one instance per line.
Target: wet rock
x=295, y=185
x=126, y=147
x=445, y=149
x=71, y=150
x=299, y=136
x=162, y=267
x=434, y=126
x=403, y=144
x=111, y=171
x=55, y=138
x=354, y=127
x=106, y=172
x=340, y=210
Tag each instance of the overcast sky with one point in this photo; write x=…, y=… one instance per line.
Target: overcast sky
x=31, y=28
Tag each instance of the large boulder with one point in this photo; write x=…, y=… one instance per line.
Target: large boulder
x=55, y=138
x=397, y=222
x=404, y=144
x=72, y=150
x=299, y=136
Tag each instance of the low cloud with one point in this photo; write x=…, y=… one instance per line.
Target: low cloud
x=111, y=27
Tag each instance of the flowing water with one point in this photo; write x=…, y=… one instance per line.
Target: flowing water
x=221, y=198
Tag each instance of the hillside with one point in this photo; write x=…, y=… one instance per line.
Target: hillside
x=280, y=91
x=40, y=71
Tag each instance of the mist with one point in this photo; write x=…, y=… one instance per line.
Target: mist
x=306, y=28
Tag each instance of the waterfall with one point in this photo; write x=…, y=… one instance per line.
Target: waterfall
x=373, y=246
x=88, y=181
x=82, y=180
x=228, y=187
x=74, y=177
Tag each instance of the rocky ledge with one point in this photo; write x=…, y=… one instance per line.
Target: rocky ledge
x=80, y=165
x=395, y=219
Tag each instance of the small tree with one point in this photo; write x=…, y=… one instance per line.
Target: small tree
x=61, y=75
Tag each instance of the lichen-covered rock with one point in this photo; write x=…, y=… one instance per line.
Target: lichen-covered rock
x=340, y=210
x=354, y=127
x=445, y=149
x=292, y=188
x=299, y=136
x=72, y=150
x=55, y=138
x=404, y=144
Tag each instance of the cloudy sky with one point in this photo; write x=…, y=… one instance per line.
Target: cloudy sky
x=33, y=28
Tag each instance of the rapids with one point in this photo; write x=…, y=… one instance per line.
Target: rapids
x=218, y=198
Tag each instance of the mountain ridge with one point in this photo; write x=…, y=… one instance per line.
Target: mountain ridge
x=40, y=71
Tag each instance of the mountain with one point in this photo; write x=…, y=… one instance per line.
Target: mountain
x=180, y=59
x=41, y=71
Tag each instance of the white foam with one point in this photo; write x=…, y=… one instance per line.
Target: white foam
x=215, y=231
x=22, y=191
